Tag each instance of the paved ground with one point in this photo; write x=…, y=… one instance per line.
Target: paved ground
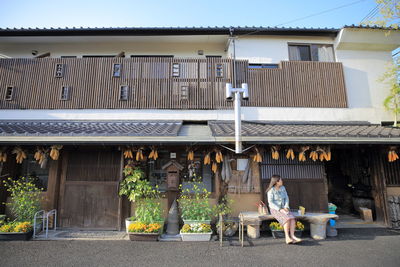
x=353, y=247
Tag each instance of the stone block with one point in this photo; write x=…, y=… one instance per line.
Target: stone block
x=366, y=214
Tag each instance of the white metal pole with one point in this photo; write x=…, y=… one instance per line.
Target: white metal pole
x=238, y=123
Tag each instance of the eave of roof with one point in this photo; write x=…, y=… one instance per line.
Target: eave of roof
x=164, y=31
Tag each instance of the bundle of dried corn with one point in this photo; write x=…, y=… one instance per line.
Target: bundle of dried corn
x=214, y=167
x=21, y=155
x=275, y=152
x=218, y=156
x=190, y=155
x=257, y=156
x=314, y=155
x=302, y=153
x=3, y=154
x=55, y=151
x=154, y=153
x=128, y=152
x=392, y=155
x=207, y=159
x=139, y=154
x=290, y=154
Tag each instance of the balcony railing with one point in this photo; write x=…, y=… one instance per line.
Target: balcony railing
x=164, y=83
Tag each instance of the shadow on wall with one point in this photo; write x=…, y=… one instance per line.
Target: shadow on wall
x=357, y=88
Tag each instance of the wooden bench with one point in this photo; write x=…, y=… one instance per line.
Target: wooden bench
x=253, y=221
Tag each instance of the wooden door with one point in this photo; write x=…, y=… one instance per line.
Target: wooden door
x=89, y=190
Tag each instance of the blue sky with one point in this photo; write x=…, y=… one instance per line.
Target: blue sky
x=169, y=13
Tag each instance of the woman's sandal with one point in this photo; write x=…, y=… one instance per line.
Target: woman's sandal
x=297, y=241
x=289, y=242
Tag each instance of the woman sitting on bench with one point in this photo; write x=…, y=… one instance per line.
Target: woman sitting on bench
x=278, y=202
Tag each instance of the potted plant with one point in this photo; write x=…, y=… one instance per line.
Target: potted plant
x=139, y=231
x=25, y=202
x=277, y=229
x=223, y=209
x=194, y=203
x=196, y=232
x=148, y=220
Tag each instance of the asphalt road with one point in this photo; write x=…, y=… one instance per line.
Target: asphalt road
x=353, y=247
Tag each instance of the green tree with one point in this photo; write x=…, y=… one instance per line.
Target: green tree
x=391, y=79
x=388, y=16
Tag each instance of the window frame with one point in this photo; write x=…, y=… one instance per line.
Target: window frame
x=9, y=97
x=311, y=54
x=68, y=95
x=127, y=92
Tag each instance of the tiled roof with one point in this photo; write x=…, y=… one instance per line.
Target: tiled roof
x=220, y=129
x=127, y=31
x=89, y=128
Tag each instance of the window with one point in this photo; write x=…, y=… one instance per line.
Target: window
x=311, y=52
x=175, y=70
x=64, y=93
x=9, y=93
x=263, y=66
x=219, y=71
x=59, y=70
x=123, y=92
x=117, y=70
x=184, y=93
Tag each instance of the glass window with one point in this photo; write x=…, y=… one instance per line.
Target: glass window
x=30, y=168
x=311, y=52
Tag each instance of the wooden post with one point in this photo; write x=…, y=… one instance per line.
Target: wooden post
x=220, y=229
x=121, y=176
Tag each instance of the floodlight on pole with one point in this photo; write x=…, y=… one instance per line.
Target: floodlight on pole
x=236, y=93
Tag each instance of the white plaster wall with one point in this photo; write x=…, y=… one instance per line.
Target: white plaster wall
x=269, y=49
x=362, y=70
x=248, y=113
x=140, y=46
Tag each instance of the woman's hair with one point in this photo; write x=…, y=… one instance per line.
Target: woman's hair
x=274, y=179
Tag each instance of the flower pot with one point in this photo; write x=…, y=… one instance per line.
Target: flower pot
x=196, y=221
x=143, y=236
x=231, y=226
x=281, y=233
x=196, y=236
x=16, y=236
x=127, y=223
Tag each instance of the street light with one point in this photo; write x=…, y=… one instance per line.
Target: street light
x=236, y=93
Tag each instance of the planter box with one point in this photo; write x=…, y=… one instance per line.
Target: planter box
x=129, y=222
x=196, y=236
x=281, y=233
x=16, y=236
x=143, y=236
x=194, y=221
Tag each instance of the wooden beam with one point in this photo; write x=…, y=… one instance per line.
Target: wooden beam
x=120, y=54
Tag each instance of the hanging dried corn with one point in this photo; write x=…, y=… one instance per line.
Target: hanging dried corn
x=190, y=155
x=314, y=155
x=275, y=152
x=55, y=151
x=218, y=156
x=257, y=156
x=214, y=167
x=153, y=154
x=207, y=159
x=290, y=154
x=139, y=154
x=392, y=155
x=20, y=154
x=3, y=154
x=302, y=153
x=128, y=152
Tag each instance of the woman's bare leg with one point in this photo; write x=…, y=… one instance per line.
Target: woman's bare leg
x=292, y=229
x=286, y=227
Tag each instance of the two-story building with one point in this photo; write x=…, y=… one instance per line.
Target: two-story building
x=315, y=113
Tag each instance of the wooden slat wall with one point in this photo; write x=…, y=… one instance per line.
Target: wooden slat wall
x=295, y=84
x=298, y=84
